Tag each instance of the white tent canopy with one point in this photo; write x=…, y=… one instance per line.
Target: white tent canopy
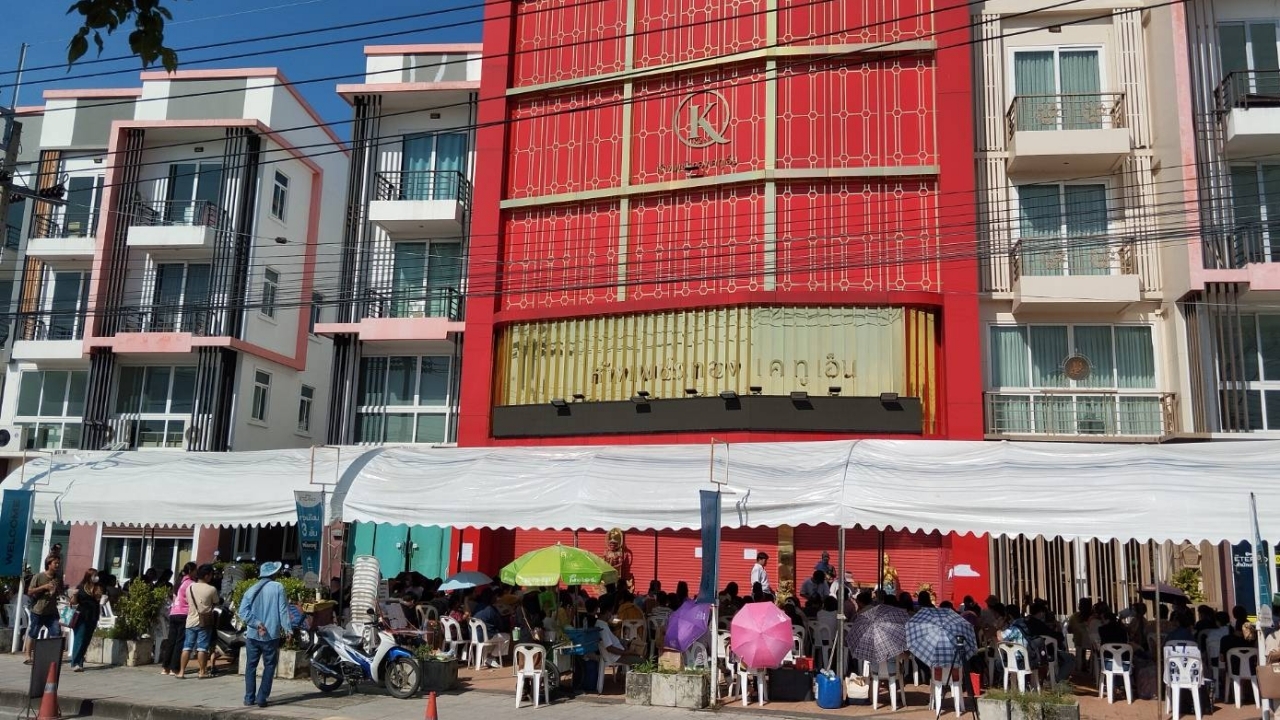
x=1161, y=492
x=175, y=488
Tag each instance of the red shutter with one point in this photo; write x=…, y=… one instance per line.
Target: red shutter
x=918, y=558
x=678, y=559
x=738, y=548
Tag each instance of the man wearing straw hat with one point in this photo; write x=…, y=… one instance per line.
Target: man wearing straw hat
x=265, y=613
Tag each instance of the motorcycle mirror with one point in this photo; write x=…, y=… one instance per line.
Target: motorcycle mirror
x=370, y=612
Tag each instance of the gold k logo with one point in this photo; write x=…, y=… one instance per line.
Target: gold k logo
x=702, y=119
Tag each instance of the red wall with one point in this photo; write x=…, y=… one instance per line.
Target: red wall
x=850, y=237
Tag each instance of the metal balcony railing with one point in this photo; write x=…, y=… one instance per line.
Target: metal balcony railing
x=52, y=325
x=1074, y=413
x=1245, y=89
x=178, y=213
x=194, y=319
x=12, y=237
x=1070, y=111
x=1252, y=243
x=1072, y=256
x=415, y=303
x=45, y=227
x=422, y=185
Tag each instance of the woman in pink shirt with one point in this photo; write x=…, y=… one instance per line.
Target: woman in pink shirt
x=171, y=649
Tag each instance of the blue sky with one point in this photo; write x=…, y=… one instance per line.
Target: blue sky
x=45, y=26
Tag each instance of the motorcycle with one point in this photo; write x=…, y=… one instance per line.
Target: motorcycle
x=228, y=634
x=372, y=657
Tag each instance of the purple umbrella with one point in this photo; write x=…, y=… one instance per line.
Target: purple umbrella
x=687, y=625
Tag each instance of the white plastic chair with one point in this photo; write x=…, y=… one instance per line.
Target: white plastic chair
x=1016, y=659
x=1116, y=659
x=453, y=642
x=822, y=644
x=801, y=632
x=993, y=659
x=630, y=631
x=746, y=674
x=697, y=656
x=889, y=672
x=797, y=646
x=1240, y=670
x=427, y=613
x=481, y=644
x=937, y=683
x=1183, y=672
x=1051, y=651
x=657, y=632
x=531, y=664
x=604, y=666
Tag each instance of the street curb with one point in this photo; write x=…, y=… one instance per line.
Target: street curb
x=120, y=709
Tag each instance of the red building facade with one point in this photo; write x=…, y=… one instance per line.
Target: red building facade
x=677, y=199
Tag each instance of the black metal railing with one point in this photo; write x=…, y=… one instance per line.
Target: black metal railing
x=1246, y=89
x=45, y=227
x=1072, y=256
x=178, y=213
x=1249, y=244
x=1068, y=111
x=12, y=237
x=414, y=303
x=67, y=325
x=194, y=319
x=422, y=185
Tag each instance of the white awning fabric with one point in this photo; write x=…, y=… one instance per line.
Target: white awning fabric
x=175, y=488
x=1140, y=492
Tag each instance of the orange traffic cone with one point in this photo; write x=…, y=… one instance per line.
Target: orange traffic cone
x=49, y=702
x=431, y=708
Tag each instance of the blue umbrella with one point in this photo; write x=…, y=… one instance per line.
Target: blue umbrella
x=465, y=581
x=940, y=637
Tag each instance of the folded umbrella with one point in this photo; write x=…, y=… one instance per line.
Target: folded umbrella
x=760, y=635
x=687, y=625
x=879, y=633
x=940, y=637
x=465, y=580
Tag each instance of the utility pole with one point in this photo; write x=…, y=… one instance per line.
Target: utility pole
x=10, y=139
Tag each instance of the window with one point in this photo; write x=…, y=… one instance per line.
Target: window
x=317, y=307
x=1074, y=379
x=1260, y=338
x=245, y=544
x=405, y=399
x=84, y=202
x=1255, y=201
x=426, y=279
x=304, y=408
x=270, y=284
x=193, y=193
x=154, y=405
x=280, y=196
x=1062, y=229
x=432, y=166
x=50, y=407
x=1059, y=89
x=64, y=306
x=181, y=298
x=261, y=395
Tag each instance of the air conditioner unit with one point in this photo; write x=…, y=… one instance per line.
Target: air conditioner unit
x=12, y=438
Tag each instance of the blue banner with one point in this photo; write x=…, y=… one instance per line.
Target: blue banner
x=1261, y=562
x=708, y=589
x=310, y=533
x=1242, y=574
x=16, y=510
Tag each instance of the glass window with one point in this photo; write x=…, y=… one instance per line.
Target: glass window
x=430, y=428
x=399, y=428
x=261, y=395
x=317, y=306
x=280, y=196
x=1135, y=357
x=270, y=284
x=369, y=428
x=75, y=394
x=29, y=393
x=305, y=399
x=373, y=380
x=155, y=397
x=1094, y=343
x=53, y=399
x=1269, y=346
x=433, y=383
x=129, y=390
x=400, y=379
x=184, y=388
x=1048, y=350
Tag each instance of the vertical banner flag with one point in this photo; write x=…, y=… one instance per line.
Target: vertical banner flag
x=310, y=532
x=707, y=589
x=16, y=510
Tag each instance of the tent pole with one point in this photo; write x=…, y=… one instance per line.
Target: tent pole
x=840, y=618
x=1158, y=651
x=880, y=561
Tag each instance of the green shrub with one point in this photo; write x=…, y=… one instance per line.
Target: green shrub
x=139, y=610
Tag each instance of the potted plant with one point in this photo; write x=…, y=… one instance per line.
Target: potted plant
x=993, y=704
x=639, y=683
x=136, y=617
x=693, y=688
x=1056, y=703
x=438, y=671
x=667, y=687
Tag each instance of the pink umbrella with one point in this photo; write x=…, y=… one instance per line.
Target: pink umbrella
x=760, y=635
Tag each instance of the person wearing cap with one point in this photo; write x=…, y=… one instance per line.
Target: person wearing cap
x=264, y=610
x=824, y=566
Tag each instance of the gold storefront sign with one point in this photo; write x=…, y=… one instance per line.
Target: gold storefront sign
x=864, y=351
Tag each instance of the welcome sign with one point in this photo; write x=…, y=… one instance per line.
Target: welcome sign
x=16, y=513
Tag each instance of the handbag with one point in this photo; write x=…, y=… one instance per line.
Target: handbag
x=70, y=617
x=1269, y=681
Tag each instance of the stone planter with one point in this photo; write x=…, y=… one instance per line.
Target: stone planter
x=682, y=690
x=103, y=651
x=292, y=665
x=638, y=688
x=139, y=652
x=989, y=709
x=438, y=675
x=1042, y=712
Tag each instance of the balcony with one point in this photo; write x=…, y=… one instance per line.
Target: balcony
x=175, y=225
x=50, y=336
x=420, y=203
x=51, y=240
x=425, y=303
x=1087, y=132
x=410, y=319
x=1249, y=109
x=1077, y=415
x=192, y=319
x=1097, y=274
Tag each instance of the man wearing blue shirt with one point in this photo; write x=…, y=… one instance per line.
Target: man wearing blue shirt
x=265, y=613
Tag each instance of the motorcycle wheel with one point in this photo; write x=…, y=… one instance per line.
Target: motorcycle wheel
x=326, y=683
x=402, y=678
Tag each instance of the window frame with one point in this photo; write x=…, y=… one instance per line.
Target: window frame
x=306, y=403
x=1270, y=245
x=1264, y=386
x=1011, y=87
x=378, y=413
x=1248, y=39
x=270, y=292
x=1071, y=387
x=260, y=399
x=138, y=414
x=279, y=209
x=316, y=308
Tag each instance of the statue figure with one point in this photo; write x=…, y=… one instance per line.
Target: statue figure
x=889, y=581
x=619, y=557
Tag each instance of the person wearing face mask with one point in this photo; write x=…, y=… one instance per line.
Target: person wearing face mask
x=87, y=599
